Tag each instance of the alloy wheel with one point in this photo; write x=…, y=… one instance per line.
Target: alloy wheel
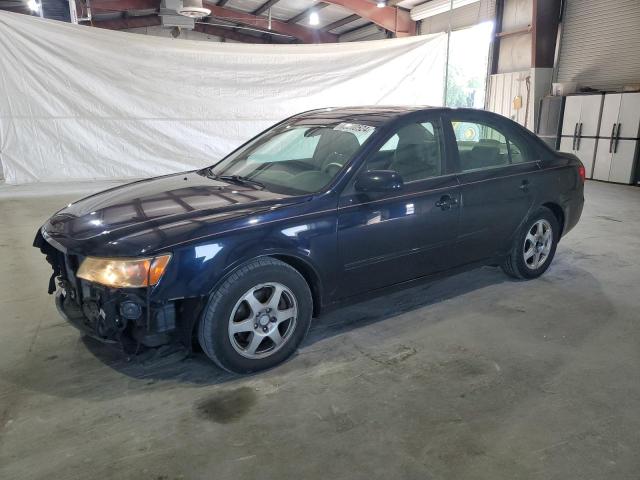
x=263, y=320
x=537, y=244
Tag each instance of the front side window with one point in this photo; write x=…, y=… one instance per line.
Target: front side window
x=414, y=152
x=296, y=158
x=482, y=146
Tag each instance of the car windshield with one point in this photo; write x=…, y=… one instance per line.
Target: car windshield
x=294, y=159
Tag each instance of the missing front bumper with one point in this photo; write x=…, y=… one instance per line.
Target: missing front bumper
x=73, y=314
x=113, y=316
x=110, y=315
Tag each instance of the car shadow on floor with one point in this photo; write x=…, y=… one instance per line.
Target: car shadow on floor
x=196, y=368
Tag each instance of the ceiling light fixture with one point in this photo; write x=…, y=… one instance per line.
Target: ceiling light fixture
x=381, y=3
x=193, y=9
x=314, y=18
x=33, y=5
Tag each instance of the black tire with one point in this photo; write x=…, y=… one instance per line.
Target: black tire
x=515, y=265
x=213, y=329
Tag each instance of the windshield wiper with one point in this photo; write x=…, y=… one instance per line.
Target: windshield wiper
x=241, y=180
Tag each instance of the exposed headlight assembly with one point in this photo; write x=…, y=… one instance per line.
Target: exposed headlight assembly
x=124, y=272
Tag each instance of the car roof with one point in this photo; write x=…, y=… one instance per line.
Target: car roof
x=378, y=116
x=370, y=115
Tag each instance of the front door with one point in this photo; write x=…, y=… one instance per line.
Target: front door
x=384, y=239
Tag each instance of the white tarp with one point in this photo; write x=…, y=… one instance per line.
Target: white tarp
x=84, y=103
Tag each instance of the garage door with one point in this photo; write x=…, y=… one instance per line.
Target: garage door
x=600, y=43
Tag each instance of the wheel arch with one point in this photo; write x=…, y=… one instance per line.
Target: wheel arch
x=558, y=212
x=302, y=266
x=309, y=274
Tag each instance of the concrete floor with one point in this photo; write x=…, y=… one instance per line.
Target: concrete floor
x=474, y=377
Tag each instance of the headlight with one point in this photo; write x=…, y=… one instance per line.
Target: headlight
x=124, y=272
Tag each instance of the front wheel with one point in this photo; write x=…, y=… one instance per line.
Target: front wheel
x=534, y=246
x=257, y=317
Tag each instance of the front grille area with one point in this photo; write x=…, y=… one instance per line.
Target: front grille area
x=124, y=316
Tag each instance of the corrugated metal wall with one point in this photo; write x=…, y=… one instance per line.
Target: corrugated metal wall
x=368, y=32
x=601, y=43
x=467, y=16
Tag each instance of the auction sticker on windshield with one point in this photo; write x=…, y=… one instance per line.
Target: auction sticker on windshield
x=356, y=128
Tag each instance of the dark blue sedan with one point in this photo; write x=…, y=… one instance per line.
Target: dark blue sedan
x=323, y=208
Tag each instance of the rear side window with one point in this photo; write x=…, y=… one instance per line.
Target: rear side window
x=482, y=146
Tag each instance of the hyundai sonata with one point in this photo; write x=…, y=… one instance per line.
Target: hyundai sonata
x=324, y=208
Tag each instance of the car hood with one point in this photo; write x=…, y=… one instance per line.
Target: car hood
x=148, y=215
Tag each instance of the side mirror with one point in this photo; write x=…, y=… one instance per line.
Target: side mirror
x=379, y=181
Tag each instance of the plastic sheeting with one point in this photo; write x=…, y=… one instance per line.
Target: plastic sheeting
x=84, y=103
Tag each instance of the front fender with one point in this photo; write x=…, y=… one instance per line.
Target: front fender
x=197, y=269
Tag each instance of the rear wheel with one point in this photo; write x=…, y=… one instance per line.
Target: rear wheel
x=257, y=317
x=534, y=246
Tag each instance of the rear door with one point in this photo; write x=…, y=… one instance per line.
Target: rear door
x=496, y=170
x=393, y=237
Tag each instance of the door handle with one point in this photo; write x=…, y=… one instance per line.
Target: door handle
x=524, y=186
x=575, y=135
x=446, y=202
x=613, y=135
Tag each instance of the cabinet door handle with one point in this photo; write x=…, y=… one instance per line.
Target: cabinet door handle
x=579, y=136
x=613, y=135
x=615, y=144
x=575, y=134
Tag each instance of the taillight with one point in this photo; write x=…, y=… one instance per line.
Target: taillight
x=582, y=172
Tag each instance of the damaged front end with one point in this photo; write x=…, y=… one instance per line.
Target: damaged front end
x=126, y=316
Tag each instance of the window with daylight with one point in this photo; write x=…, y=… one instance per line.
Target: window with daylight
x=467, y=66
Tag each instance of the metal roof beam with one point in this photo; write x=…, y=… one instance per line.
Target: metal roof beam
x=394, y=19
x=300, y=32
x=304, y=34
x=264, y=7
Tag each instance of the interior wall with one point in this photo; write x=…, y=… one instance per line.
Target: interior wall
x=515, y=53
x=516, y=88
x=517, y=14
x=516, y=50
